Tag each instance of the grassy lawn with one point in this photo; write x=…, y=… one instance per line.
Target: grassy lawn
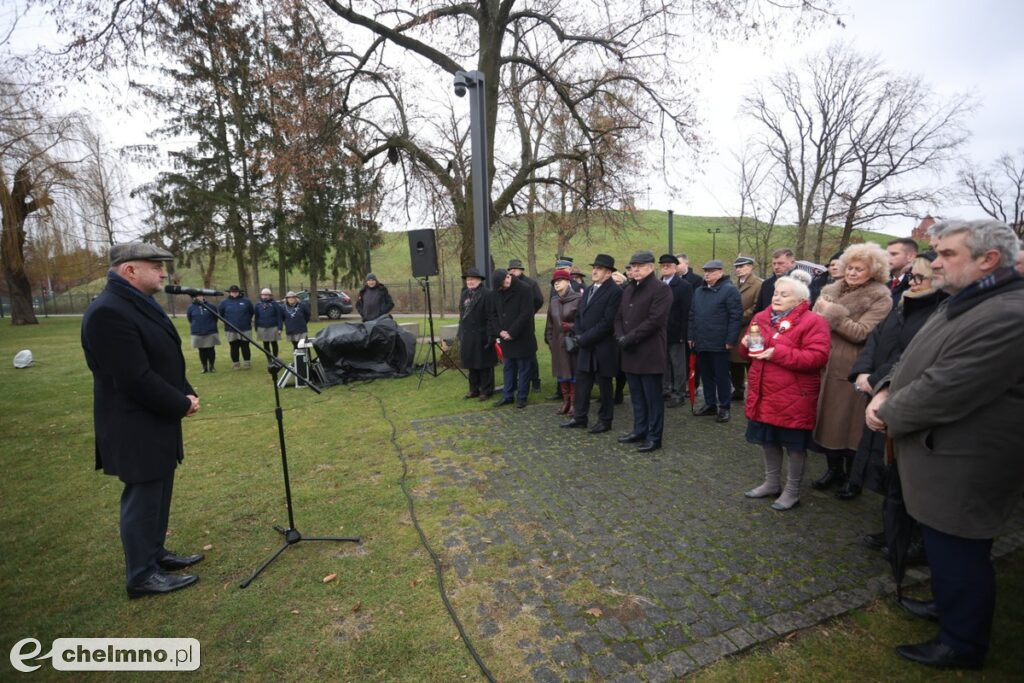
x=381, y=618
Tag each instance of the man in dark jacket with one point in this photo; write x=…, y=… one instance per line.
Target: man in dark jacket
x=238, y=311
x=641, y=333
x=674, y=380
x=952, y=407
x=598, y=357
x=512, y=316
x=373, y=300
x=714, y=330
x=476, y=341
x=684, y=271
x=140, y=395
x=783, y=263
x=515, y=267
x=902, y=252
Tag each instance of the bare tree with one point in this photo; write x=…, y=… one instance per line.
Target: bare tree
x=999, y=189
x=101, y=185
x=36, y=154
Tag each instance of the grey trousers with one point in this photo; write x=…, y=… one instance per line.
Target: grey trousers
x=673, y=382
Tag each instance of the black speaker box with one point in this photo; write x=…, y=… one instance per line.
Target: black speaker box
x=423, y=252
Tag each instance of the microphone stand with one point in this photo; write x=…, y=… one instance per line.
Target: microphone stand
x=274, y=366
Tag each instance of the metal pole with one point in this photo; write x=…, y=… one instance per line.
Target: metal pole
x=473, y=82
x=670, y=215
x=714, y=239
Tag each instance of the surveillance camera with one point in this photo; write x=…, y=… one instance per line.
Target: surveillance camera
x=460, y=84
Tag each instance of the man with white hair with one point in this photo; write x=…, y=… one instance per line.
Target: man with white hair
x=952, y=407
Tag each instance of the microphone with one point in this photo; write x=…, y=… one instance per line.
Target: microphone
x=191, y=291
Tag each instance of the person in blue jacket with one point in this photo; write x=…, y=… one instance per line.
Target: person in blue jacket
x=269, y=317
x=238, y=311
x=296, y=319
x=203, y=326
x=716, y=314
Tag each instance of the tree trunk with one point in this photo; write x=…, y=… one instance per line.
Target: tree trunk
x=16, y=208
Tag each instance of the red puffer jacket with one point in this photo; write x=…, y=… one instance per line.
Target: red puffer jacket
x=783, y=391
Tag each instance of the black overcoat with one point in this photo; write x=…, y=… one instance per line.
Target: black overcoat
x=595, y=329
x=679, y=316
x=643, y=320
x=512, y=311
x=476, y=340
x=715, y=316
x=139, y=386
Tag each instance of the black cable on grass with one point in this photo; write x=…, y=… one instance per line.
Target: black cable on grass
x=426, y=544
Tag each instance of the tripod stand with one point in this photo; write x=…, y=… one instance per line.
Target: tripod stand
x=291, y=534
x=434, y=344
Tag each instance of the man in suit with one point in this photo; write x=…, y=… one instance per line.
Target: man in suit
x=511, y=314
x=598, y=358
x=641, y=333
x=750, y=288
x=952, y=406
x=902, y=253
x=515, y=268
x=140, y=394
x=674, y=380
x=783, y=263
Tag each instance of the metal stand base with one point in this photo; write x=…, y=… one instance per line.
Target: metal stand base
x=291, y=537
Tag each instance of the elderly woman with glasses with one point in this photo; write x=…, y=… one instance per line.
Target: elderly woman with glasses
x=782, y=386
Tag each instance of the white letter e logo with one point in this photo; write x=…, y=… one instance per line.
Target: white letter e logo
x=17, y=657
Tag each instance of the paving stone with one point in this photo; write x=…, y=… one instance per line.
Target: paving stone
x=592, y=644
x=659, y=672
x=627, y=652
x=612, y=628
x=565, y=653
x=680, y=662
x=605, y=666
x=545, y=675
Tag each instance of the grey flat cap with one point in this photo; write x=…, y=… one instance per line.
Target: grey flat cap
x=716, y=264
x=138, y=251
x=642, y=257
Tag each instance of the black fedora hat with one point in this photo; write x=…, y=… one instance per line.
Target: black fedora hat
x=473, y=272
x=604, y=261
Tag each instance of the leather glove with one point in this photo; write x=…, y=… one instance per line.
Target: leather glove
x=624, y=342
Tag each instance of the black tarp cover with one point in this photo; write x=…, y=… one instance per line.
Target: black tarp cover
x=356, y=351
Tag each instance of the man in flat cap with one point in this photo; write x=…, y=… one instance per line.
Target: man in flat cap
x=750, y=287
x=140, y=395
x=674, y=379
x=714, y=330
x=640, y=331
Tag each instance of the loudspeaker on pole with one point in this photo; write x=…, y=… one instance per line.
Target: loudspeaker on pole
x=423, y=253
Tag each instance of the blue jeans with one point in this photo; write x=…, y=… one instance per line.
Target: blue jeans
x=516, y=376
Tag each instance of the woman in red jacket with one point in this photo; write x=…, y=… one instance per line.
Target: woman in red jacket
x=782, y=386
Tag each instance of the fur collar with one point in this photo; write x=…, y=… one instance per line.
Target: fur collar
x=858, y=301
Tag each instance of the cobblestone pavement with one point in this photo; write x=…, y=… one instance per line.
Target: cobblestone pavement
x=632, y=566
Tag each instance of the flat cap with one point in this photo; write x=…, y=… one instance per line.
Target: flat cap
x=138, y=251
x=642, y=257
x=715, y=264
x=744, y=261
x=668, y=258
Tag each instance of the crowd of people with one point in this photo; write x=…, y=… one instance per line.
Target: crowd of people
x=917, y=349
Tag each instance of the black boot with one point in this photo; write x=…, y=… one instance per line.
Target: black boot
x=834, y=473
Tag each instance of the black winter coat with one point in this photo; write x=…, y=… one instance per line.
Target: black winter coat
x=538, y=296
x=512, y=312
x=679, y=316
x=643, y=320
x=476, y=341
x=296, y=318
x=715, y=316
x=200, y=320
x=595, y=329
x=139, y=386
x=238, y=311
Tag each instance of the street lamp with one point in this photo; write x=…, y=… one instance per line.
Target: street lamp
x=472, y=82
x=714, y=239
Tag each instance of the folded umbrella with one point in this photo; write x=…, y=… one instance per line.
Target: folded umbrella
x=691, y=379
x=896, y=521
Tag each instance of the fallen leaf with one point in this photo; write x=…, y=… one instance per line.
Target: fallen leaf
x=330, y=577
x=356, y=607
x=295, y=611
x=595, y=612
x=414, y=583
x=208, y=546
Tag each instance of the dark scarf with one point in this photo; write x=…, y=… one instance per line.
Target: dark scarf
x=120, y=284
x=972, y=294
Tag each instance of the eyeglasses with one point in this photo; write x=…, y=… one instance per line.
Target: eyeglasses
x=917, y=278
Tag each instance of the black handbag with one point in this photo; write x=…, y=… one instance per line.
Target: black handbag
x=570, y=343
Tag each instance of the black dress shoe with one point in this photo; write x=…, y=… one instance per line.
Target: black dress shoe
x=486, y=395
x=573, y=423
x=737, y=395
x=159, y=583
x=848, y=491
x=600, y=428
x=675, y=402
x=939, y=655
x=520, y=404
x=723, y=415
x=618, y=400
x=172, y=562
x=648, y=446
x=920, y=608
x=707, y=410
x=632, y=437
x=503, y=402
x=472, y=394
x=875, y=541
x=557, y=396
x=833, y=475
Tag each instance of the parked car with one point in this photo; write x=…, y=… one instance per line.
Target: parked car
x=329, y=302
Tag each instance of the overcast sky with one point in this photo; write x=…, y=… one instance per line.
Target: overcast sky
x=958, y=46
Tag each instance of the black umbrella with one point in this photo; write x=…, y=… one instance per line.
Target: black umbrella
x=897, y=522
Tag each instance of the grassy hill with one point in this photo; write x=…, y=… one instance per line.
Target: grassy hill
x=648, y=230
